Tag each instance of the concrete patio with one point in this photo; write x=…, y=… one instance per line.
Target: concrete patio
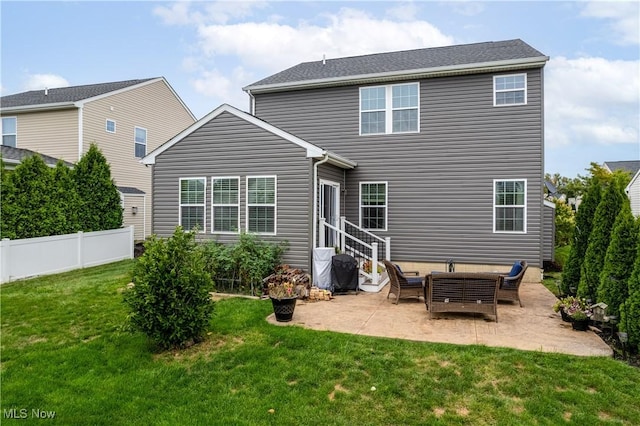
x=534, y=327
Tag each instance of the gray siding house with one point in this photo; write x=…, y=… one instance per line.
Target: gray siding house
x=439, y=152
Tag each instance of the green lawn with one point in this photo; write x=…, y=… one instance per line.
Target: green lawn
x=64, y=350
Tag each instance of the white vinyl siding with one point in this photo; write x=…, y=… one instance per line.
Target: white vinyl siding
x=225, y=204
x=373, y=206
x=10, y=131
x=110, y=126
x=389, y=109
x=261, y=204
x=510, y=90
x=192, y=203
x=140, y=142
x=510, y=205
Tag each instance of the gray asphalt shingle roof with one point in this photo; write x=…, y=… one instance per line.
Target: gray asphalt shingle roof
x=407, y=60
x=630, y=166
x=65, y=94
x=16, y=155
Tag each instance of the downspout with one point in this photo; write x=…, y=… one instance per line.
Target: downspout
x=80, y=134
x=252, y=103
x=315, y=197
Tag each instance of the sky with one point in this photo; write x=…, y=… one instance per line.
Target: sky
x=208, y=51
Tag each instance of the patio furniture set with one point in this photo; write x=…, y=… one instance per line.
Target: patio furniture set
x=475, y=292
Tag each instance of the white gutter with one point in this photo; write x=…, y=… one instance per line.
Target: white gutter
x=252, y=103
x=405, y=74
x=315, y=197
x=40, y=107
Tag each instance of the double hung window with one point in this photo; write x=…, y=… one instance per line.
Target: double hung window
x=373, y=205
x=510, y=205
x=140, y=142
x=9, y=131
x=225, y=204
x=389, y=109
x=261, y=204
x=510, y=89
x=192, y=202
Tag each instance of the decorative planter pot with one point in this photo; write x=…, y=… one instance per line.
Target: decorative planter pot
x=580, y=325
x=283, y=308
x=565, y=316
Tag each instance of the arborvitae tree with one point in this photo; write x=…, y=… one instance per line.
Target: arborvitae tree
x=565, y=223
x=630, y=309
x=30, y=188
x=100, y=208
x=600, y=237
x=7, y=215
x=582, y=230
x=619, y=260
x=66, y=196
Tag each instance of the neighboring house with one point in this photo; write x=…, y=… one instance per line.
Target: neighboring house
x=438, y=150
x=126, y=119
x=11, y=157
x=633, y=188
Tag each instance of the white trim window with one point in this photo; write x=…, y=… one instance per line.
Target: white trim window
x=510, y=205
x=192, y=203
x=261, y=204
x=225, y=205
x=509, y=89
x=390, y=109
x=110, y=126
x=373, y=205
x=10, y=131
x=140, y=141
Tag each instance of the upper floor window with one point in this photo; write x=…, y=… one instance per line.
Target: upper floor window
x=373, y=205
x=192, y=201
x=225, y=204
x=389, y=109
x=140, y=142
x=111, y=126
x=510, y=89
x=261, y=204
x=9, y=131
x=509, y=205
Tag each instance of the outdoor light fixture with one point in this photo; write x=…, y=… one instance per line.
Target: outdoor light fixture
x=134, y=210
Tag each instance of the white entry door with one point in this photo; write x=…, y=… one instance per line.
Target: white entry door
x=330, y=210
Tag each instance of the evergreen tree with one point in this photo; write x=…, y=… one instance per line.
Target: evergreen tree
x=100, y=208
x=66, y=196
x=32, y=213
x=600, y=236
x=7, y=214
x=619, y=261
x=582, y=230
x=630, y=309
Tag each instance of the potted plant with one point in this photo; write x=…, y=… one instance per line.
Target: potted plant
x=580, y=314
x=561, y=305
x=283, y=298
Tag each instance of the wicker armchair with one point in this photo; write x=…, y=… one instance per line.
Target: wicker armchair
x=509, y=291
x=400, y=285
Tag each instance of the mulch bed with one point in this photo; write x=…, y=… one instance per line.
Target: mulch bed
x=633, y=359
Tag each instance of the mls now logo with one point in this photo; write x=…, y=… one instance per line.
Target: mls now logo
x=23, y=413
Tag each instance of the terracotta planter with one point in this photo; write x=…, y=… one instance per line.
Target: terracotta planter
x=283, y=308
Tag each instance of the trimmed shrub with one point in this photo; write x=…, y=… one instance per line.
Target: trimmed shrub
x=619, y=260
x=100, y=208
x=630, y=309
x=584, y=221
x=170, y=298
x=67, y=200
x=600, y=237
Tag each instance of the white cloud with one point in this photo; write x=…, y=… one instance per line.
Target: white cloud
x=225, y=87
x=467, y=8
x=403, y=12
x=624, y=17
x=274, y=47
x=219, y=12
x=592, y=101
x=41, y=81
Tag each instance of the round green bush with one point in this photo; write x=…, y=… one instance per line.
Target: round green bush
x=170, y=298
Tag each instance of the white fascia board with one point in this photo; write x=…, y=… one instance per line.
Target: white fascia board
x=549, y=204
x=312, y=150
x=39, y=107
x=633, y=179
x=405, y=74
x=340, y=161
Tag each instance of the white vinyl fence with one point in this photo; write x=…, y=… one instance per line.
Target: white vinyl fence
x=49, y=255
